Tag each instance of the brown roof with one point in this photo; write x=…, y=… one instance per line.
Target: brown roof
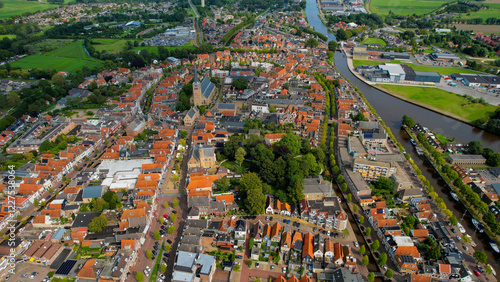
x=275, y=231
x=133, y=213
x=307, y=249
x=286, y=239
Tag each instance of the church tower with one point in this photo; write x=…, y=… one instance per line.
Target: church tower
x=203, y=3
x=197, y=96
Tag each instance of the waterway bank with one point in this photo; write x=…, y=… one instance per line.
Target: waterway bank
x=350, y=65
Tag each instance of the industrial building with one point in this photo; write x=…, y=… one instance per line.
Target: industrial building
x=397, y=73
x=477, y=80
x=446, y=57
x=396, y=55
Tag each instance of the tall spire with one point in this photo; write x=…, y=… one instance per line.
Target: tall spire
x=196, y=79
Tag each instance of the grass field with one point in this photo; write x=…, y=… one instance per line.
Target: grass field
x=409, y=7
x=371, y=40
x=19, y=7
x=57, y=63
x=492, y=12
x=443, y=100
x=72, y=50
x=9, y=36
x=111, y=46
x=357, y=63
x=486, y=29
x=436, y=69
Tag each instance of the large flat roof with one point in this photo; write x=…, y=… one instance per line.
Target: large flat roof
x=393, y=69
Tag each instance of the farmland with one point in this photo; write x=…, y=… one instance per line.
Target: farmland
x=492, y=12
x=19, y=7
x=486, y=29
x=443, y=100
x=404, y=8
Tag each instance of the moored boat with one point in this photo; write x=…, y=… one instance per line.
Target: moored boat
x=454, y=196
x=461, y=227
x=494, y=245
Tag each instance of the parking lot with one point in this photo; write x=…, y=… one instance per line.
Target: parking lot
x=24, y=272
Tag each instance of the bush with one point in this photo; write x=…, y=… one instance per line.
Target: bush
x=139, y=276
x=175, y=203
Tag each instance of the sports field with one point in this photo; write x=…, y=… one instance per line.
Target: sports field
x=19, y=7
x=442, y=70
x=408, y=7
x=443, y=100
x=111, y=46
x=371, y=40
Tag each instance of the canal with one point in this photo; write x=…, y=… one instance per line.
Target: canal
x=391, y=110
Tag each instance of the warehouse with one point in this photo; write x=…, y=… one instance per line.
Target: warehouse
x=427, y=76
x=396, y=72
x=467, y=159
x=396, y=55
x=471, y=80
x=445, y=57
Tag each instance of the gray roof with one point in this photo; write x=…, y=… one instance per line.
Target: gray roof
x=226, y=106
x=199, y=202
x=92, y=192
x=316, y=184
x=343, y=274
x=84, y=218
x=207, y=87
x=467, y=157
x=206, y=262
x=241, y=225
x=192, y=112
x=185, y=261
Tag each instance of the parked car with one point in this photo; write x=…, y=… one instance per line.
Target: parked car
x=174, y=211
x=154, y=253
x=156, y=248
x=169, y=241
x=466, y=248
x=165, y=260
x=314, y=229
x=356, y=244
x=477, y=272
x=166, y=216
x=481, y=269
x=288, y=221
x=238, y=257
x=453, y=230
x=257, y=265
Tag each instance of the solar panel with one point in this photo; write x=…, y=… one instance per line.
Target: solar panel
x=66, y=267
x=380, y=210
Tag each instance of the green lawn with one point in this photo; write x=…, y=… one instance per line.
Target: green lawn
x=439, y=70
x=371, y=40
x=356, y=63
x=444, y=100
x=57, y=63
x=492, y=12
x=109, y=45
x=19, y=7
x=73, y=50
x=429, y=50
x=9, y=36
x=409, y=7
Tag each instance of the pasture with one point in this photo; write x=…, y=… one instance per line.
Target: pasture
x=72, y=50
x=371, y=40
x=111, y=46
x=57, y=63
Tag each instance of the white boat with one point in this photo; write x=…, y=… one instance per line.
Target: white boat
x=473, y=244
x=478, y=225
x=461, y=227
x=492, y=270
x=454, y=196
x=494, y=245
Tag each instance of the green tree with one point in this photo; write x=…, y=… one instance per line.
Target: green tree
x=368, y=231
x=375, y=245
x=311, y=42
x=241, y=83
x=240, y=155
x=184, y=134
x=361, y=219
x=222, y=184
x=236, y=267
x=175, y=203
x=168, y=247
x=362, y=249
x=344, y=187
x=173, y=217
x=163, y=268
x=382, y=258
x=98, y=223
x=349, y=198
x=139, y=276
x=355, y=208
x=171, y=229
x=58, y=79
x=481, y=256
x=13, y=99
x=476, y=147
x=296, y=191
x=149, y=254
x=371, y=276
x=249, y=263
x=389, y=273
x=365, y=261
x=408, y=121
x=156, y=235
x=435, y=252
x=332, y=45
x=251, y=190
x=453, y=220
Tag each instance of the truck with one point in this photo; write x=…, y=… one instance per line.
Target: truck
x=453, y=84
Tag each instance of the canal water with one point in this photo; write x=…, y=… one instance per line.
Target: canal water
x=391, y=110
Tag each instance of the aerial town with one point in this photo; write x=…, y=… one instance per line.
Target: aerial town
x=218, y=140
